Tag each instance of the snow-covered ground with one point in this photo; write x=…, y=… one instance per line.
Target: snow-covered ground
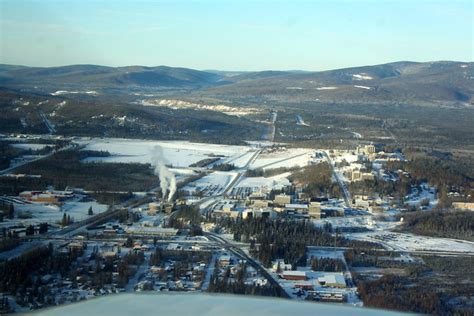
x=423, y=195
x=61, y=92
x=283, y=158
x=27, y=146
x=410, y=242
x=357, y=135
x=340, y=156
x=41, y=213
x=179, y=104
x=276, y=182
x=361, y=76
x=326, y=88
x=239, y=161
x=363, y=87
x=212, y=184
x=177, y=153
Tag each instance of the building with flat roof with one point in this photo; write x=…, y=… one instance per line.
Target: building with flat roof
x=282, y=199
x=333, y=280
x=294, y=275
x=463, y=206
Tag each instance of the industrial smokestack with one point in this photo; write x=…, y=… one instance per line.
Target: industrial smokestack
x=167, y=178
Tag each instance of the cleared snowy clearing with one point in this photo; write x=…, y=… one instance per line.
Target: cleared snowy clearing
x=326, y=88
x=239, y=161
x=276, y=182
x=212, y=184
x=287, y=158
x=28, y=146
x=179, y=104
x=41, y=213
x=62, y=92
x=362, y=76
x=409, y=242
x=176, y=153
x=363, y=87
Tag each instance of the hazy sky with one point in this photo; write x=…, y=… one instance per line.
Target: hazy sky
x=234, y=35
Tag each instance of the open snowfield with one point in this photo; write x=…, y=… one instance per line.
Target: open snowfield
x=363, y=87
x=283, y=158
x=27, y=146
x=240, y=160
x=410, y=242
x=361, y=76
x=417, y=197
x=340, y=156
x=276, y=182
x=321, y=253
x=346, y=221
x=176, y=153
x=326, y=88
x=52, y=214
x=179, y=104
x=212, y=184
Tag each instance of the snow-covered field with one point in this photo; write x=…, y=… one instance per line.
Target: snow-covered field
x=363, y=87
x=326, y=88
x=361, y=76
x=41, y=213
x=276, y=182
x=283, y=158
x=340, y=156
x=418, y=197
x=212, y=184
x=177, y=153
x=27, y=146
x=179, y=104
x=410, y=242
x=62, y=92
x=239, y=161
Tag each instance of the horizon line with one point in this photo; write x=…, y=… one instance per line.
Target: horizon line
x=233, y=70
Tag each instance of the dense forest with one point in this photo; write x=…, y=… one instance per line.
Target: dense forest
x=442, y=285
x=236, y=284
x=442, y=170
x=286, y=239
x=440, y=223
x=66, y=169
x=392, y=292
x=316, y=180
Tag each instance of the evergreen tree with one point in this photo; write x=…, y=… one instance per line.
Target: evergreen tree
x=30, y=230
x=11, y=211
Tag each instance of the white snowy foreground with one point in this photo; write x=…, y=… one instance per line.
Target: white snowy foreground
x=203, y=304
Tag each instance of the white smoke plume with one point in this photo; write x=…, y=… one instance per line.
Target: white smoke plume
x=167, y=178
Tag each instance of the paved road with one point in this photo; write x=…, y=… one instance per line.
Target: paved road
x=242, y=255
x=241, y=172
x=282, y=160
x=47, y=122
x=345, y=192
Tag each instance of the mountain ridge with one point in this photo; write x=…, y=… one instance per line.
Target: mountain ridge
x=407, y=81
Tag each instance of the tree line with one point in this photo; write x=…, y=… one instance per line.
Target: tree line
x=440, y=223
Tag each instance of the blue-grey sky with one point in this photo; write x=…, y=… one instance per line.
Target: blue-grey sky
x=233, y=34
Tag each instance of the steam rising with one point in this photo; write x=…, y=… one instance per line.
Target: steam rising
x=167, y=178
